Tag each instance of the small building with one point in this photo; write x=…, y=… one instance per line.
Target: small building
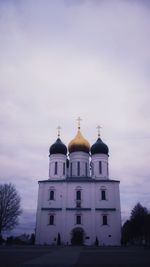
x=78, y=203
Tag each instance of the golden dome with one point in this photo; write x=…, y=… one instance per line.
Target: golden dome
x=79, y=143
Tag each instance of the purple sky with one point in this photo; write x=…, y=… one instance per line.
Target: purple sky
x=63, y=59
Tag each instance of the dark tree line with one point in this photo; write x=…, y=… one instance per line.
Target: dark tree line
x=24, y=239
x=136, y=230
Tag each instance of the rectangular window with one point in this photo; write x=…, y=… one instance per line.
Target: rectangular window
x=78, y=195
x=86, y=172
x=51, y=220
x=78, y=219
x=71, y=169
x=100, y=167
x=51, y=195
x=92, y=168
x=64, y=168
x=104, y=219
x=103, y=194
x=56, y=168
x=78, y=168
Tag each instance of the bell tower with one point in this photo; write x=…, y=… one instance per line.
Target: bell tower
x=99, y=158
x=57, y=159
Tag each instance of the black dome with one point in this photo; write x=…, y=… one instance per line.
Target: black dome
x=99, y=147
x=58, y=148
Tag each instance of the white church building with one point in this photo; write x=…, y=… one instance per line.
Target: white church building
x=78, y=203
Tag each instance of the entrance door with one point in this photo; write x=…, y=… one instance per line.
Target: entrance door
x=77, y=237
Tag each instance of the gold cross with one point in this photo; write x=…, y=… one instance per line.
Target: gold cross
x=79, y=120
x=98, y=129
x=58, y=128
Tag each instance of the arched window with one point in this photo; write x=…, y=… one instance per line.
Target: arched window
x=104, y=220
x=100, y=167
x=103, y=194
x=78, y=168
x=51, y=219
x=64, y=167
x=78, y=219
x=51, y=196
x=86, y=170
x=78, y=195
x=56, y=167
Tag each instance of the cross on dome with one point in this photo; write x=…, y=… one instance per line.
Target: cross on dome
x=79, y=143
x=79, y=120
x=98, y=129
x=58, y=129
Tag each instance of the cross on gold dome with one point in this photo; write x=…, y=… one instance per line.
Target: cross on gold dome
x=58, y=129
x=79, y=120
x=98, y=129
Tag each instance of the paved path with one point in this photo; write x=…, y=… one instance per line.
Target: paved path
x=66, y=256
x=92, y=257
x=51, y=256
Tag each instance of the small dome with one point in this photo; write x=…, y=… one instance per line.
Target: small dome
x=58, y=148
x=79, y=143
x=99, y=147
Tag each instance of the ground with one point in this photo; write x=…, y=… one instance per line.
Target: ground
x=48, y=256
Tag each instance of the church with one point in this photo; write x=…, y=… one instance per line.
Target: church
x=78, y=204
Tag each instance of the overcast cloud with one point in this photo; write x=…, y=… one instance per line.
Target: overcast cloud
x=62, y=59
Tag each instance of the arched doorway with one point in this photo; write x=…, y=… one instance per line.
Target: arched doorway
x=77, y=236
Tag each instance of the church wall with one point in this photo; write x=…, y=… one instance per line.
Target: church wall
x=60, y=159
x=78, y=197
x=66, y=219
x=112, y=195
x=95, y=159
x=49, y=233
x=108, y=234
x=83, y=158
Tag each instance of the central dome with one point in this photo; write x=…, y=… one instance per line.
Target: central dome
x=79, y=143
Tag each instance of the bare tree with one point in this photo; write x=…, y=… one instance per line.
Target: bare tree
x=9, y=207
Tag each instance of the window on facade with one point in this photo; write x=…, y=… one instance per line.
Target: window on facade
x=100, y=167
x=103, y=194
x=78, y=195
x=51, y=197
x=86, y=172
x=56, y=167
x=51, y=219
x=92, y=169
x=64, y=168
x=104, y=219
x=71, y=169
x=78, y=219
x=78, y=168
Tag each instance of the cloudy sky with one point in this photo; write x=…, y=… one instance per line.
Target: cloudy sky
x=60, y=59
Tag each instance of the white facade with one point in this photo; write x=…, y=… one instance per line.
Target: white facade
x=81, y=158
x=78, y=202
x=60, y=160
x=103, y=160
